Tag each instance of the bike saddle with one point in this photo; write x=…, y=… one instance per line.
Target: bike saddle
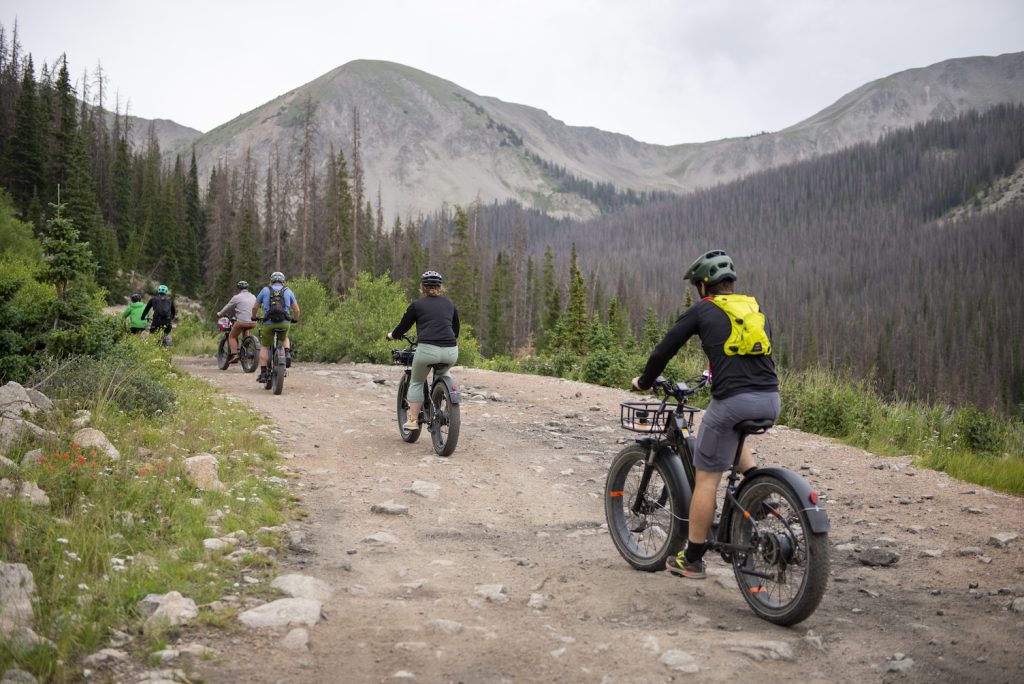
x=754, y=427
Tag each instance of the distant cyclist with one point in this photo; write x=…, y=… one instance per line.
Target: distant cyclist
x=239, y=307
x=280, y=308
x=133, y=312
x=162, y=306
x=737, y=340
x=437, y=332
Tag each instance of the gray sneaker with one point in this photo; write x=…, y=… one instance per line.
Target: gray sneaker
x=680, y=567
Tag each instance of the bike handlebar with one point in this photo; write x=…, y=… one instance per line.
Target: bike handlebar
x=678, y=390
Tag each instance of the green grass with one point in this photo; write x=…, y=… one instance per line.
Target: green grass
x=967, y=443
x=118, y=530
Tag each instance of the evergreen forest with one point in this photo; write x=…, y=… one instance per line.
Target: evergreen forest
x=854, y=255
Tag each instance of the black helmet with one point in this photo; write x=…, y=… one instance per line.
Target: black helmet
x=136, y=298
x=243, y=285
x=711, y=267
x=431, y=279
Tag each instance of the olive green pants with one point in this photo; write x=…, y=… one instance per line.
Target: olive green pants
x=426, y=356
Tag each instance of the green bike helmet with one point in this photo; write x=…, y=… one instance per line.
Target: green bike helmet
x=162, y=289
x=711, y=267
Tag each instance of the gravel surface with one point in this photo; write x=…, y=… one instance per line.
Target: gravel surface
x=494, y=565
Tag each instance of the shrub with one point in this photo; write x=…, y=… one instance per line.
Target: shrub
x=114, y=377
x=977, y=431
x=608, y=367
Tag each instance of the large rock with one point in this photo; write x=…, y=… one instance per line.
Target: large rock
x=679, y=660
x=91, y=438
x=202, y=472
x=40, y=400
x=13, y=429
x=304, y=586
x=879, y=557
x=167, y=610
x=14, y=401
x=283, y=612
x=17, y=587
x=31, y=493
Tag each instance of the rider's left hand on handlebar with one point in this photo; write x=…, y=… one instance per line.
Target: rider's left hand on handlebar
x=635, y=385
x=389, y=337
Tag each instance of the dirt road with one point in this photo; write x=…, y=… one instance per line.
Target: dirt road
x=519, y=505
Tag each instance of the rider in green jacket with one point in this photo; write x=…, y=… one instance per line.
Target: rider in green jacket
x=134, y=313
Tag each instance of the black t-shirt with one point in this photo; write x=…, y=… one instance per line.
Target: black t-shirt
x=436, y=320
x=729, y=374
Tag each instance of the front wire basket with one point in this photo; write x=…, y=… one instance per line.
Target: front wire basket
x=640, y=416
x=402, y=357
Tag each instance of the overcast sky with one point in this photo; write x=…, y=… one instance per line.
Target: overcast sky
x=661, y=71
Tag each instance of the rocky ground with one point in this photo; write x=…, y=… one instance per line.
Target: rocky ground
x=494, y=565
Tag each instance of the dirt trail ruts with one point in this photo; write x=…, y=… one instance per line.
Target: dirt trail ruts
x=519, y=504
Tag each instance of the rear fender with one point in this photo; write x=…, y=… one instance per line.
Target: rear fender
x=450, y=382
x=817, y=517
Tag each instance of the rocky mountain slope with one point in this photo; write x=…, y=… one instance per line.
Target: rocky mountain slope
x=425, y=140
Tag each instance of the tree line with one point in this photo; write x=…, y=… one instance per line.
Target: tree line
x=849, y=253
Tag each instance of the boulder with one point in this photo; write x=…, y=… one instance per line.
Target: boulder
x=31, y=458
x=879, y=557
x=296, y=640
x=167, y=610
x=202, y=472
x=283, y=612
x=17, y=587
x=39, y=400
x=7, y=464
x=91, y=438
x=303, y=586
x=14, y=401
x=31, y=492
x=82, y=419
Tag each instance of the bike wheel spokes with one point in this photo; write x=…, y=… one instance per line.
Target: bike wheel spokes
x=783, y=570
x=444, y=420
x=248, y=354
x=642, y=523
x=402, y=411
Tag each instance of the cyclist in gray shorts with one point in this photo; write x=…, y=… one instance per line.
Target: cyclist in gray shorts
x=736, y=337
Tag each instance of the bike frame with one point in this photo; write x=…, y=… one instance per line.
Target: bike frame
x=677, y=445
x=428, y=390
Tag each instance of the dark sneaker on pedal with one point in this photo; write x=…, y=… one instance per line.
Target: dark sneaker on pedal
x=679, y=567
x=288, y=359
x=262, y=377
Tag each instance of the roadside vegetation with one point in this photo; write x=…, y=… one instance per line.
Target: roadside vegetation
x=970, y=444
x=117, y=530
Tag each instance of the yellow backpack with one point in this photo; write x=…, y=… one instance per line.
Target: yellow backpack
x=748, y=337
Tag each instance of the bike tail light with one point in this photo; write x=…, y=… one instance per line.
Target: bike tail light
x=813, y=498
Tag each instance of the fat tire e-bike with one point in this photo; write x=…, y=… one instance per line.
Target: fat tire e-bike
x=440, y=412
x=772, y=529
x=248, y=347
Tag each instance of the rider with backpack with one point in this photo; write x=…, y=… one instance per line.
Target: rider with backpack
x=737, y=340
x=280, y=308
x=164, y=313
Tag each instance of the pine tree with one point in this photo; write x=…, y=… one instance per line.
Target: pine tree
x=552, y=297
x=340, y=205
x=499, y=323
x=618, y=325
x=66, y=258
x=576, y=317
x=463, y=270
x=84, y=212
x=250, y=264
x=651, y=333
x=24, y=164
x=195, y=221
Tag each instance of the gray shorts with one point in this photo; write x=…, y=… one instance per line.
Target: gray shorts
x=717, y=440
